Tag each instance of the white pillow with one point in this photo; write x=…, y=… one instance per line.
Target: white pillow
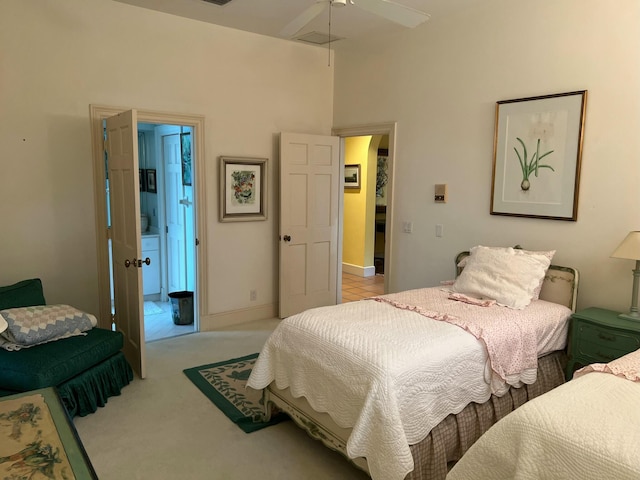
x=547, y=253
x=507, y=275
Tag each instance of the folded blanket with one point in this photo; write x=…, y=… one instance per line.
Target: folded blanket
x=626, y=367
x=29, y=326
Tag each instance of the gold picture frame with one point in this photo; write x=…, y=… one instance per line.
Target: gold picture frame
x=537, y=156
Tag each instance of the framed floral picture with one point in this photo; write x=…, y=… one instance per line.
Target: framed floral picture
x=537, y=156
x=243, y=189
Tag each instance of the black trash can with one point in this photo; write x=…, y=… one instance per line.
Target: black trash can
x=182, y=307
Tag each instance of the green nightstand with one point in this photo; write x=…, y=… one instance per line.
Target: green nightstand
x=599, y=336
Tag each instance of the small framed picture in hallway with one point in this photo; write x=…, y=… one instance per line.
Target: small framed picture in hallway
x=352, y=176
x=151, y=181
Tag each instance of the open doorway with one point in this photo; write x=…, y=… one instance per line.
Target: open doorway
x=131, y=319
x=167, y=211
x=167, y=225
x=365, y=204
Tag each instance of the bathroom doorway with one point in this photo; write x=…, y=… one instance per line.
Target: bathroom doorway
x=167, y=200
x=167, y=225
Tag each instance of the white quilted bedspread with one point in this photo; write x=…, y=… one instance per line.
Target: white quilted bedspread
x=390, y=374
x=586, y=429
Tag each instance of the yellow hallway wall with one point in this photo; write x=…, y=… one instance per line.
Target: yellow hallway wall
x=359, y=204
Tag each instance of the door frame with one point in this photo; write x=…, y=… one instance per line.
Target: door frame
x=97, y=115
x=358, y=131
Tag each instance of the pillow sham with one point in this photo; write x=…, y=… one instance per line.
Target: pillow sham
x=507, y=275
x=547, y=253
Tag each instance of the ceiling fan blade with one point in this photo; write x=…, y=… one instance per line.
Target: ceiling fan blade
x=305, y=17
x=406, y=16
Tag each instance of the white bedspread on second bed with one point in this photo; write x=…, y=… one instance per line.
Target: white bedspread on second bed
x=586, y=429
x=389, y=374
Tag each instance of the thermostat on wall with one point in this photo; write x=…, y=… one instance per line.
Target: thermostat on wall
x=441, y=193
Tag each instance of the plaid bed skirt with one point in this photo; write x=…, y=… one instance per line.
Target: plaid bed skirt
x=452, y=437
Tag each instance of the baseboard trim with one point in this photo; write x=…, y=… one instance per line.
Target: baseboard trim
x=211, y=323
x=358, y=270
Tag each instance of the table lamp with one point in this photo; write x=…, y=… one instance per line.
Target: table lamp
x=630, y=248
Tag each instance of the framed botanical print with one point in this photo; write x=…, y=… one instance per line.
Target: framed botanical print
x=537, y=156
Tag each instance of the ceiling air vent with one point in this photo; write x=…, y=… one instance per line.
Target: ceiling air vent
x=217, y=2
x=318, y=38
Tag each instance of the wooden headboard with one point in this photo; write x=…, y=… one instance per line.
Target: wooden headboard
x=560, y=284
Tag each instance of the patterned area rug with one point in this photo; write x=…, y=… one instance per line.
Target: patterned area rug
x=224, y=384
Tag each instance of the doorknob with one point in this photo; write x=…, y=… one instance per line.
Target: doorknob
x=287, y=238
x=146, y=261
x=127, y=263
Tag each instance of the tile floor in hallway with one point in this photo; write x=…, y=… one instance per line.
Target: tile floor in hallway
x=158, y=322
x=355, y=287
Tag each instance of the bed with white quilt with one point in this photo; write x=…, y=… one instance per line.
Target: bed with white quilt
x=403, y=384
x=586, y=429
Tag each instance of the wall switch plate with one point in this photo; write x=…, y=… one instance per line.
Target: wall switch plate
x=440, y=193
x=438, y=230
x=407, y=227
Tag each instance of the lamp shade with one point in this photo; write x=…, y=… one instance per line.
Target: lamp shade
x=629, y=248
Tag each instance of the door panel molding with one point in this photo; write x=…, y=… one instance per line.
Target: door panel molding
x=122, y=147
x=310, y=183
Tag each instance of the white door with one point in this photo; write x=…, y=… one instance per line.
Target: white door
x=174, y=214
x=309, y=210
x=122, y=158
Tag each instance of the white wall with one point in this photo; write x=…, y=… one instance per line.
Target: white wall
x=441, y=82
x=59, y=56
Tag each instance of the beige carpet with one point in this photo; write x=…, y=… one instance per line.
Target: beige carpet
x=163, y=427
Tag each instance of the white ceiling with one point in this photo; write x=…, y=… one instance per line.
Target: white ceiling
x=269, y=17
